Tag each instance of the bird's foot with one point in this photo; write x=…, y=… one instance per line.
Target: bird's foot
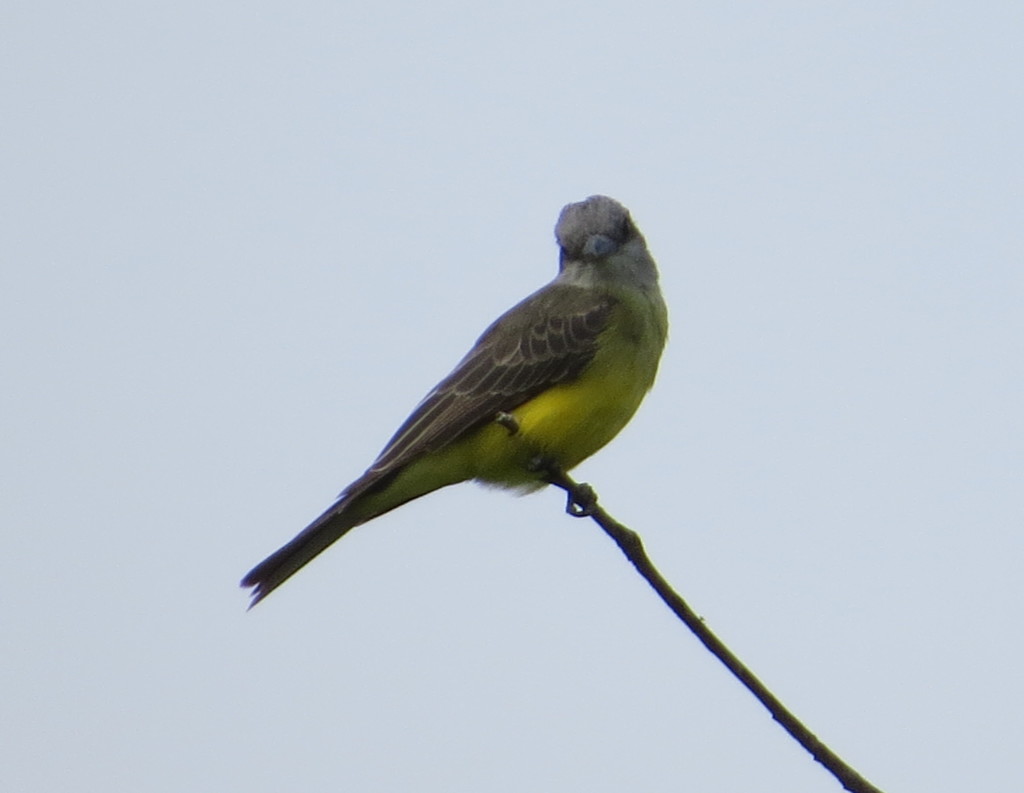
x=508, y=421
x=581, y=499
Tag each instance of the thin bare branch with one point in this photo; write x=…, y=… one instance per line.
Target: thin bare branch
x=582, y=502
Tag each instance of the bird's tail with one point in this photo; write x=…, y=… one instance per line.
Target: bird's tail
x=281, y=565
x=374, y=493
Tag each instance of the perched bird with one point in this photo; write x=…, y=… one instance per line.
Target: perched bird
x=547, y=385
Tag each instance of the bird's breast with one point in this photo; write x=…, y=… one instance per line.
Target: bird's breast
x=570, y=421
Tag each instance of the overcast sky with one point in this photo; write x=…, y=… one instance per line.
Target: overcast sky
x=239, y=241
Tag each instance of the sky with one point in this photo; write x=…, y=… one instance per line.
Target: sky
x=239, y=241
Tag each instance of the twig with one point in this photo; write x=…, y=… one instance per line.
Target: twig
x=582, y=502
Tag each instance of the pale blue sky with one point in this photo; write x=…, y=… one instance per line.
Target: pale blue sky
x=239, y=241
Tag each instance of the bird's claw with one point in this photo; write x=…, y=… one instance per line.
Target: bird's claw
x=581, y=501
x=508, y=421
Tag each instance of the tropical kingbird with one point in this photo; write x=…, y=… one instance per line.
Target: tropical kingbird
x=551, y=381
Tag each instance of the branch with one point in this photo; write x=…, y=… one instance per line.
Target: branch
x=582, y=503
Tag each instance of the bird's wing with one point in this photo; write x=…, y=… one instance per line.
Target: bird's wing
x=549, y=338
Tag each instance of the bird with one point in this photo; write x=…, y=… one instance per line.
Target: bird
x=546, y=385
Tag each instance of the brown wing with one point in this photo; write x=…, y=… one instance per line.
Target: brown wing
x=548, y=338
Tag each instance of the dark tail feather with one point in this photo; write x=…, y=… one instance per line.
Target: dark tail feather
x=281, y=565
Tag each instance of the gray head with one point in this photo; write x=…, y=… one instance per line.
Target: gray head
x=598, y=240
x=593, y=229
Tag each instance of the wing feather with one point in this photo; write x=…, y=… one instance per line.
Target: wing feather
x=549, y=338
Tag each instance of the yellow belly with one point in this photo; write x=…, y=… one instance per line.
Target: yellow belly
x=566, y=423
x=571, y=421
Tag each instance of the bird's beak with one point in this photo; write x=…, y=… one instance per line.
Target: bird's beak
x=598, y=246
